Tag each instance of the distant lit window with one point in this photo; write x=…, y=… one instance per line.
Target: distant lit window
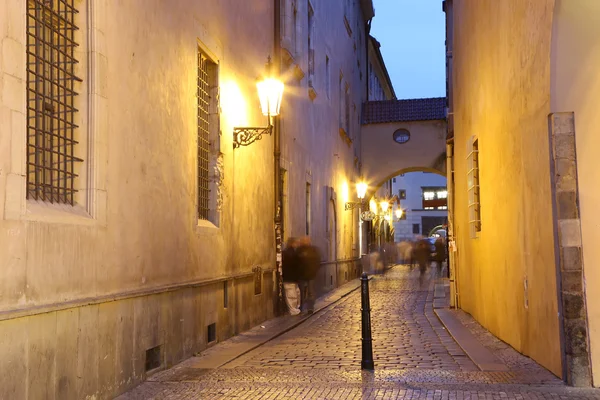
x=435, y=198
x=402, y=194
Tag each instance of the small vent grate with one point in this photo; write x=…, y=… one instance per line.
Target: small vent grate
x=212, y=333
x=153, y=358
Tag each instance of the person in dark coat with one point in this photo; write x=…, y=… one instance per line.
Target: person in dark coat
x=440, y=252
x=310, y=260
x=422, y=252
x=291, y=268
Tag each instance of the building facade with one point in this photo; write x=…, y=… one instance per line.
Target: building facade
x=524, y=176
x=132, y=233
x=423, y=198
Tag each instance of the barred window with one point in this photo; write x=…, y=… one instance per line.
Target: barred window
x=207, y=132
x=473, y=188
x=51, y=80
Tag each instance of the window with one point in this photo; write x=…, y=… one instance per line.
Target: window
x=51, y=91
x=402, y=194
x=208, y=144
x=341, y=101
x=307, y=208
x=435, y=198
x=347, y=111
x=394, y=180
x=295, y=30
x=311, y=50
x=473, y=188
x=401, y=136
x=416, y=229
x=327, y=78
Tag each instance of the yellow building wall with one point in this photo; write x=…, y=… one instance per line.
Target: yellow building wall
x=501, y=75
x=575, y=84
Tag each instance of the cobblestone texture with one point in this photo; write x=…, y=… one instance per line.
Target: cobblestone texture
x=415, y=358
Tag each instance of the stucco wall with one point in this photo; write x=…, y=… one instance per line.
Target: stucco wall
x=575, y=84
x=84, y=294
x=383, y=158
x=313, y=151
x=501, y=76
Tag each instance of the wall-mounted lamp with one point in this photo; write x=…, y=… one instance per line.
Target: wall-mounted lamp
x=361, y=191
x=270, y=93
x=399, y=213
x=384, y=204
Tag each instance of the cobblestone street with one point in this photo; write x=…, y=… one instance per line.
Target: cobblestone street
x=415, y=357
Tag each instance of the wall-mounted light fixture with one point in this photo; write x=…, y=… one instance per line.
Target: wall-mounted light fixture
x=270, y=93
x=361, y=191
x=399, y=213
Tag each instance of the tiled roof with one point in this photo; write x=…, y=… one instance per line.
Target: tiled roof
x=377, y=112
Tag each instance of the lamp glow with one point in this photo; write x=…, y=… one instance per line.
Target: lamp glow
x=270, y=93
x=361, y=189
x=399, y=213
x=384, y=205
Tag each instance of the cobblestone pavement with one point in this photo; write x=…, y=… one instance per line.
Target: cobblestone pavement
x=415, y=358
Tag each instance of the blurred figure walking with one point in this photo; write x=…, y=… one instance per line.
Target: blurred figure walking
x=291, y=268
x=309, y=258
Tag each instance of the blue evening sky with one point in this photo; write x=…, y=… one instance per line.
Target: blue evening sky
x=412, y=35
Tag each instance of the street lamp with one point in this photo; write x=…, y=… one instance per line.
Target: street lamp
x=384, y=204
x=361, y=191
x=399, y=213
x=270, y=93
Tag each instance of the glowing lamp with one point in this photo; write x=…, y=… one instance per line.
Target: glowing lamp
x=361, y=189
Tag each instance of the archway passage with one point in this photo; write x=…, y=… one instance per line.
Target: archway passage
x=403, y=135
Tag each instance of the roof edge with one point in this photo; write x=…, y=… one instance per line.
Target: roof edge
x=377, y=47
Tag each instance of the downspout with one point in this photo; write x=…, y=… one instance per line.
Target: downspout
x=279, y=306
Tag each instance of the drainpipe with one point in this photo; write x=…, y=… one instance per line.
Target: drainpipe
x=279, y=307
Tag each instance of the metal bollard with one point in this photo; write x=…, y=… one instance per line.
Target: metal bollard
x=367, y=341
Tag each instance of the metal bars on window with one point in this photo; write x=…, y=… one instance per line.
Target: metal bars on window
x=51, y=96
x=203, y=136
x=473, y=188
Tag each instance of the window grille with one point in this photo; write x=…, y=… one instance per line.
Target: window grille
x=207, y=109
x=51, y=96
x=473, y=188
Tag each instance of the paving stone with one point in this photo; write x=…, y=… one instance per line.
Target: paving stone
x=414, y=358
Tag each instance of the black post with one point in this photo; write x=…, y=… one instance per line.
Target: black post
x=367, y=341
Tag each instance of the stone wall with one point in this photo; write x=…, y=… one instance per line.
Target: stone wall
x=569, y=246
x=575, y=83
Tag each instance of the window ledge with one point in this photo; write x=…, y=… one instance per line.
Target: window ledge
x=41, y=211
x=205, y=227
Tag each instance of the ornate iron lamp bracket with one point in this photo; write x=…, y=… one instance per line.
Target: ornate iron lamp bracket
x=247, y=136
x=352, y=205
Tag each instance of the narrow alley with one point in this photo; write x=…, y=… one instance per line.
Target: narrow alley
x=416, y=356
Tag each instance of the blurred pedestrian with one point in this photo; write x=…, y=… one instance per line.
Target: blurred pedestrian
x=440, y=252
x=422, y=254
x=290, y=265
x=310, y=261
